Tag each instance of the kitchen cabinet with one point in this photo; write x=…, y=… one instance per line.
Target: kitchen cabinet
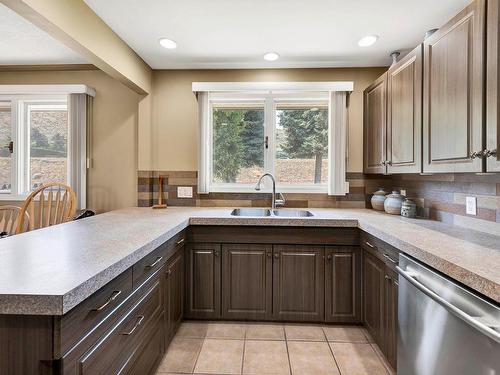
x=374, y=126
x=247, y=281
x=492, y=150
x=453, y=98
x=373, y=296
x=380, y=294
x=298, y=282
x=404, y=114
x=390, y=316
x=174, y=294
x=343, y=284
x=203, y=299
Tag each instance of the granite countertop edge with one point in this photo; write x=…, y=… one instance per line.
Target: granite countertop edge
x=44, y=304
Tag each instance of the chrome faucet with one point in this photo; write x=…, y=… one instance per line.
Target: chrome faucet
x=274, y=202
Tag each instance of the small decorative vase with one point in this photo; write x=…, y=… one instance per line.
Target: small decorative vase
x=409, y=209
x=378, y=199
x=393, y=203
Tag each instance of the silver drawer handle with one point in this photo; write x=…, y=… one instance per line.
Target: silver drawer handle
x=181, y=241
x=114, y=295
x=390, y=259
x=158, y=260
x=138, y=322
x=369, y=245
x=483, y=328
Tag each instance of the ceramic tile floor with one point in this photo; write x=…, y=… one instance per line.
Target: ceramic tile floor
x=267, y=348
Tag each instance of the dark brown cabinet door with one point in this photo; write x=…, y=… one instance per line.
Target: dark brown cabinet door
x=373, y=296
x=203, y=297
x=374, y=126
x=453, y=96
x=298, y=282
x=404, y=114
x=343, y=284
x=391, y=316
x=492, y=152
x=175, y=293
x=247, y=281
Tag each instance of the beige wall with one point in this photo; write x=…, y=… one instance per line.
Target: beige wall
x=113, y=177
x=174, y=126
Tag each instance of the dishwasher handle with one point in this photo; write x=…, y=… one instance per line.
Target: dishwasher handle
x=488, y=331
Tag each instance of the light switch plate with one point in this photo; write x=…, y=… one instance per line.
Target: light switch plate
x=471, y=205
x=184, y=192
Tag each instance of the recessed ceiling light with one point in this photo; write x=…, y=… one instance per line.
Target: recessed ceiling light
x=168, y=43
x=271, y=56
x=367, y=41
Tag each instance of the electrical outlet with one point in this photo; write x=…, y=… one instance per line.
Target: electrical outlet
x=403, y=192
x=471, y=205
x=184, y=192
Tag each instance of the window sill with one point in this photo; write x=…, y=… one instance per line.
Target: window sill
x=323, y=189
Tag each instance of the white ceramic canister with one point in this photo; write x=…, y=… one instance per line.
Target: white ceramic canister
x=393, y=203
x=378, y=199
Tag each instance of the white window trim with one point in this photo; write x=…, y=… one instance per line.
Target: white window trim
x=18, y=95
x=270, y=100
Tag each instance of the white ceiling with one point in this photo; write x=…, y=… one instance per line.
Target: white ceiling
x=22, y=43
x=306, y=33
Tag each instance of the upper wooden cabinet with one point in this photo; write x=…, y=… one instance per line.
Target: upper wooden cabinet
x=453, y=98
x=374, y=126
x=492, y=151
x=404, y=114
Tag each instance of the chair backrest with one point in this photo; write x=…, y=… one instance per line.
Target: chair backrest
x=48, y=205
x=9, y=220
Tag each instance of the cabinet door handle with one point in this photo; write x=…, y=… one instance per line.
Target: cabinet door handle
x=158, y=260
x=390, y=259
x=180, y=242
x=387, y=278
x=269, y=255
x=138, y=322
x=488, y=153
x=329, y=257
x=370, y=245
x=169, y=271
x=276, y=255
x=114, y=295
x=216, y=253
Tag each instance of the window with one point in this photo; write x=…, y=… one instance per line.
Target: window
x=296, y=131
x=34, y=137
x=282, y=134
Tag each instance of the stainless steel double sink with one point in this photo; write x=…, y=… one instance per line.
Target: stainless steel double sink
x=266, y=212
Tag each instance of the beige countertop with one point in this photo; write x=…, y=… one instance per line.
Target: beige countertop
x=49, y=271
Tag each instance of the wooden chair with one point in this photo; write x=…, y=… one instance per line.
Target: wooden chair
x=56, y=204
x=9, y=220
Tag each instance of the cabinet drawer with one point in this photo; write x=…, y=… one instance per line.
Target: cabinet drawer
x=383, y=251
x=117, y=348
x=94, y=312
x=154, y=261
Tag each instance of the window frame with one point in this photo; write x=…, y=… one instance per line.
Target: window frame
x=20, y=135
x=270, y=101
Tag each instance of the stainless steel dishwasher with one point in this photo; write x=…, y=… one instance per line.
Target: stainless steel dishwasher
x=443, y=329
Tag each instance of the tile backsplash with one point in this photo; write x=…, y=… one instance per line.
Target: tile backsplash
x=442, y=197
x=438, y=196
x=360, y=188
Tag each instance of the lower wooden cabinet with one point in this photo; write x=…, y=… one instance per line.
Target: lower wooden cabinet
x=380, y=304
x=174, y=294
x=373, y=295
x=203, y=268
x=247, y=281
x=391, y=316
x=298, y=282
x=343, y=284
